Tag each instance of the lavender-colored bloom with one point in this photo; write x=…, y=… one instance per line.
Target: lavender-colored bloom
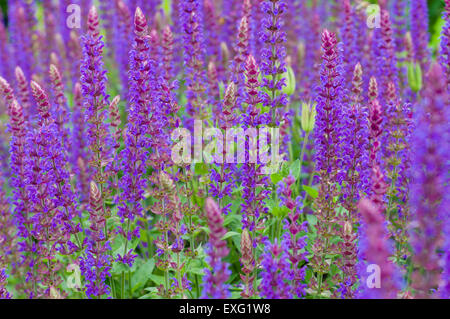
x=148, y=7
x=350, y=259
x=232, y=13
x=4, y=294
x=276, y=273
x=123, y=39
x=355, y=144
x=24, y=92
x=329, y=106
x=255, y=191
x=445, y=282
x=375, y=250
x=399, y=22
x=21, y=36
x=75, y=55
x=248, y=264
x=445, y=43
x=378, y=185
x=273, y=57
x=328, y=155
x=45, y=175
x=355, y=158
x=7, y=232
x=93, y=85
x=49, y=41
x=419, y=33
x=60, y=110
x=191, y=18
x=64, y=28
x=310, y=78
x=294, y=243
x=387, y=61
x=239, y=60
x=212, y=38
x=155, y=50
x=79, y=146
x=429, y=196
x=222, y=179
x=216, y=276
x=135, y=155
x=5, y=53
x=399, y=18
x=96, y=263
x=20, y=197
x=348, y=34
x=397, y=154
x=256, y=16
x=108, y=18
x=59, y=174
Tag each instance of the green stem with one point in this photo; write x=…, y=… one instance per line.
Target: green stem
x=124, y=253
x=302, y=157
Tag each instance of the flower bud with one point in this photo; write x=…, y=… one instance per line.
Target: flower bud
x=301, y=53
x=289, y=75
x=225, y=53
x=166, y=181
x=415, y=76
x=308, y=117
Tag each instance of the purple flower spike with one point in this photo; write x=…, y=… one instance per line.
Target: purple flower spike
x=21, y=199
x=329, y=151
x=329, y=108
x=135, y=154
x=60, y=111
x=5, y=53
x=21, y=38
x=355, y=144
x=273, y=57
x=7, y=236
x=375, y=253
x=255, y=183
x=4, y=294
x=276, y=273
x=419, y=33
x=218, y=273
x=295, y=244
x=23, y=92
x=123, y=38
x=79, y=146
x=429, y=194
x=445, y=44
x=96, y=262
x=378, y=187
x=387, y=56
x=399, y=22
x=7, y=93
x=191, y=18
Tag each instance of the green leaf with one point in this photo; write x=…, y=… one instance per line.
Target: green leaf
x=312, y=220
x=201, y=169
x=311, y=191
x=142, y=275
x=158, y=280
x=295, y=169
x=230, y=234
x=276, y=178
x=197, y=271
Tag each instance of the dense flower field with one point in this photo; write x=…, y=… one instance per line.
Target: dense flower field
x=224, y=149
